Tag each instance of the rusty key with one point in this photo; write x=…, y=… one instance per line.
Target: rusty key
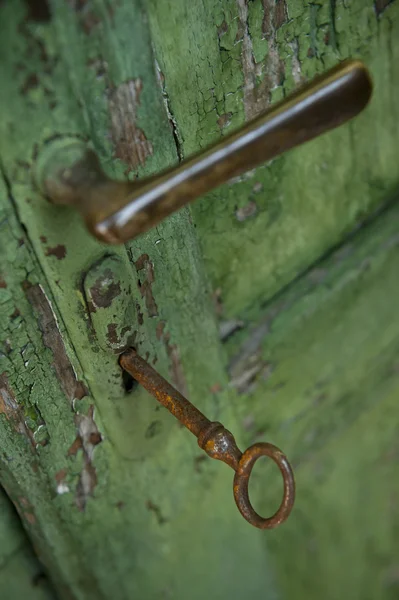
x=217, y=442
x=67, y=172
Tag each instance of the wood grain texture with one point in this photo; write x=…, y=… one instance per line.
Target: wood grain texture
x=326, y=388
x=223, y=62
x=113, y=494
x=138, y=495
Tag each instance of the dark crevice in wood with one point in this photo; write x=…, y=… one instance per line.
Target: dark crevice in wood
x=38, y=10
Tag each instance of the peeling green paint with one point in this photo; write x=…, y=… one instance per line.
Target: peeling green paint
x=110, y=303
x=119, y=532
x=256, y=14
x=157, y=520
x=329, y=397
x=326, y=188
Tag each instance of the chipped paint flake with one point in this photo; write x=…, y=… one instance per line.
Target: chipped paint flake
x=145, y=270
x=62, y=488
x=52, y=339
x=130, y=142
x=90, y=437
x=57, y=251
x=261, y=79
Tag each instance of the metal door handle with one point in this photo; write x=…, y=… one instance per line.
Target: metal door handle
x=68, y=172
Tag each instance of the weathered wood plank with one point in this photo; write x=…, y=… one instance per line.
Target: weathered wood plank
x=21, y=575
x=224, y=61
x=144, y=492
x=326, y=388
x=37, y=423
x=157, y=520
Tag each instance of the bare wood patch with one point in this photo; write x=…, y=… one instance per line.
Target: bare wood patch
x=224, y=120
x=275, y=15
x=57, y=251
x=8, y=404
x=130, y=142
x=176, y=367
x=52, y=339
x=13, y=412
x=25, y=510
x=88, y=438
x=257, y=95
x=248, y=61
x=146, y=279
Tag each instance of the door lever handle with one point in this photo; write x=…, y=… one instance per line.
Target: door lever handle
x=67, y=172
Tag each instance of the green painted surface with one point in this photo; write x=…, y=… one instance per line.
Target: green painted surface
x=117, y=499
x=151, y=495
x=307, y=200
x=21, y=575
x=328, y=393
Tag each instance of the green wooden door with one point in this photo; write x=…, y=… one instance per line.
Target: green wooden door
x=271, y=303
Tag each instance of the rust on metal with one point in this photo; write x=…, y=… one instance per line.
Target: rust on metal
x=217, y=442
x=69, y=173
